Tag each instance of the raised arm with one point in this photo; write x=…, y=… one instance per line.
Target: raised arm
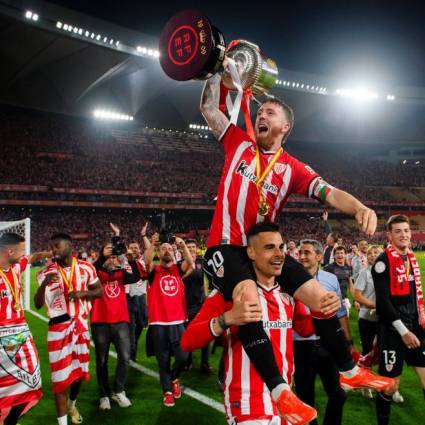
x=348, y=204
x=35, y=257
x=150, y=252
x=210, y=100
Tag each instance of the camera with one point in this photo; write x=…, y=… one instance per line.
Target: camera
x=166, y=237
x=118, y=247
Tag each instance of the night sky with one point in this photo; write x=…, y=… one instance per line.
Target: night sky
x=356, y=41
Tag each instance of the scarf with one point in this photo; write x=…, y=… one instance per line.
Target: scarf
x=399, y=283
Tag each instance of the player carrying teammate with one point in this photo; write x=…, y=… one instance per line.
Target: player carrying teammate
x=257, y=178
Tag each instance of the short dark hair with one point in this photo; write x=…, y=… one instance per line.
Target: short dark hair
x=265, y=226
x=191, y=240
x=340, y=248
x=10, y=238
x=317, y=246
x=287, y=110
x=61, y=236
x=398, y=218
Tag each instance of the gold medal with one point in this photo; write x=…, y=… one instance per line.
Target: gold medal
x=13, y=288
x=263, y=208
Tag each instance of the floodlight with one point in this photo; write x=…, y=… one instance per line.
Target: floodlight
x=28, y=14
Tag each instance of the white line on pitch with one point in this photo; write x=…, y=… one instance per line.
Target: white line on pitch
x=188, y=391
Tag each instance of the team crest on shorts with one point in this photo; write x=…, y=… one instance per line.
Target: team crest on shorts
x=220, y=271
x=279, y=168
x=389, y=367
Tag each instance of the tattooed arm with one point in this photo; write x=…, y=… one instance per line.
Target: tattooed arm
x=216, y=120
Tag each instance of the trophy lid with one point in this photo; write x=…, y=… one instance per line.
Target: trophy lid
x=190, y=46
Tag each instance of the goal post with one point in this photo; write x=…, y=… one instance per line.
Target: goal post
x=23, y=228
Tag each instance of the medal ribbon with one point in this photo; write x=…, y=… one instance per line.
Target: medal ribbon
x=262, y=176
x=13, y=288
x=67, y=282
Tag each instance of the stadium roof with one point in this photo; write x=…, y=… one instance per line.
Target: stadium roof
x=96, y=64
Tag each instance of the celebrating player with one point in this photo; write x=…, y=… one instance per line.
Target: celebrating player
x=66, y=288
x=20, y=379
x=246, y=398
x=400, y=310
x=257, y=178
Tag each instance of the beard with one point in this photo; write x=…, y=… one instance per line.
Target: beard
x=166, y=258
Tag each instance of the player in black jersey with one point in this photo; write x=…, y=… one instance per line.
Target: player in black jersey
x=400, y=309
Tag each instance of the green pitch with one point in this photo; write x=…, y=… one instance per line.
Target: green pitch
x=146, y=395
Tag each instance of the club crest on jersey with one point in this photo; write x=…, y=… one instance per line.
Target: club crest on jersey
x=112, y=289
x=279, y=168
x=389, y=367
x=169, y=285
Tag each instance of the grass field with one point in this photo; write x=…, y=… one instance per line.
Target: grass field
x=146, y=396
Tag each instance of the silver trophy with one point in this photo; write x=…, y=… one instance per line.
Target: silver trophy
x=256, y=71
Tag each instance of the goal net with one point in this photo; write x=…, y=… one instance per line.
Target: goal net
x=23, y=228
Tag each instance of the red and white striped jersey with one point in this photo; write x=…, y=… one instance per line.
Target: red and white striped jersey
x=237, y=198
x=8, y=315
x=245, y=393
x=56, y=295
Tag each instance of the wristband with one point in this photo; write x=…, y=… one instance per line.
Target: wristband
x=222, y=322
x=400, y=327
x=212, y=321
x=143, y=236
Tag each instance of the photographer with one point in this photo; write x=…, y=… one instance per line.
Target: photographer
x=166, y=312
x=110, y=320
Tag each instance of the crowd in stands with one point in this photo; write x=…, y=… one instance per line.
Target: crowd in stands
x=65, y=152
x=70, y=152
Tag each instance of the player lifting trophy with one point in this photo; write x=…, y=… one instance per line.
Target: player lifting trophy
x=257, y=178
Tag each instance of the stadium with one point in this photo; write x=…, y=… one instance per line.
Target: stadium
x=94, y=132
